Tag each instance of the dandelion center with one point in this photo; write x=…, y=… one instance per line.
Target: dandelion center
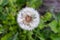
x=28, y=18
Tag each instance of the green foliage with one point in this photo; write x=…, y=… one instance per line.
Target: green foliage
x=9, y=29
x=53, y=26
x=34, y=3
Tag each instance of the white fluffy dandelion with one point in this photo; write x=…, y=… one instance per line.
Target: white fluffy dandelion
x=28, y=18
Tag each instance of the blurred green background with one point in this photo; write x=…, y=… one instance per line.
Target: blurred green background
x=48, y=28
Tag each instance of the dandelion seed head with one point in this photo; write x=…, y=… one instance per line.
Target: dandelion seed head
x=28, y=18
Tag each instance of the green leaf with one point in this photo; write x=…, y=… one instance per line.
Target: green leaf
x=41, y=24
x=34, y=3
x=53, y=26
x=47, y=16
x=55, y=36
x=7, y=36
x=3, y=2
x=15, y=36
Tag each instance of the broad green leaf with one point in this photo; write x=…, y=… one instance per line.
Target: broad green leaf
x=53, y=26
x=7, y=36
x=3, y=2
x=55, y=36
